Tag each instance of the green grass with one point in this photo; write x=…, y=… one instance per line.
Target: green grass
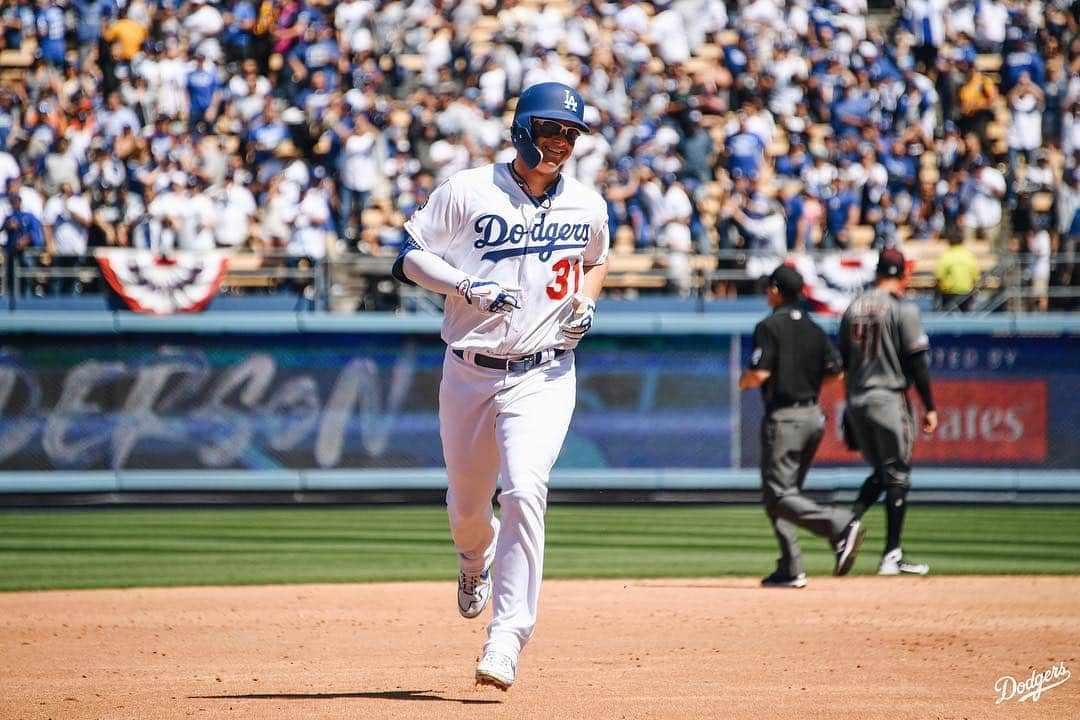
x=126, y=548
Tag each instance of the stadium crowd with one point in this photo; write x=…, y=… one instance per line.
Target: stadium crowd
x=315, y=128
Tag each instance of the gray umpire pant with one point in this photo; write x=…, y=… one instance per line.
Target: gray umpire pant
x=884, y=427
x=789, y=438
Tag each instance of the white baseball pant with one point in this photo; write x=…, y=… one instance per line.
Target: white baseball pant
x=510, y=424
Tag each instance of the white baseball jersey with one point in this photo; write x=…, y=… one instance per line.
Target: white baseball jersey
x=482, y=223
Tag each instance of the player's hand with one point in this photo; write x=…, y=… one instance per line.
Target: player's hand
x=488, y=296
x=581, y=319
x=929, y=423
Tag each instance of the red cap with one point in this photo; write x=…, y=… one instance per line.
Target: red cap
x=891, y=264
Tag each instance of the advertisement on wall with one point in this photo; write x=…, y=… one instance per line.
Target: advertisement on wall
x=992, y=421
x=367, y=401
x=1003, y=402
x=333, y=402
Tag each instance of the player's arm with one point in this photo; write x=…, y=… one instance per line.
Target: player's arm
x=762, y=360
x=416, y=266
x=843, y=341
x=426, y=239
x=751, y=379
x=431, y=272
x=833, y=367
x=584, y=303
x=915, y=346
x=593, y=280
x=420, y=261
x=594, y=273
x=917, y=369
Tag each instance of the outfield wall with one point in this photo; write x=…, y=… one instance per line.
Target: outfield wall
x=288, y=402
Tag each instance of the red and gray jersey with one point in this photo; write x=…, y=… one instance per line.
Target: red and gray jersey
x=878, y=333
x=482, y=223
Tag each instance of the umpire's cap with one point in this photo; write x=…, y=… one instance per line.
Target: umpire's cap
x=787, y=281
x=548, y=100
x=891, y=264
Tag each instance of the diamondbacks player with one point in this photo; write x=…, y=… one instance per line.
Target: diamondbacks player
x=884, y=350
x=520, y=251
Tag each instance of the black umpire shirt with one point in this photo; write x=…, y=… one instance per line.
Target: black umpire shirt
x=797, y=353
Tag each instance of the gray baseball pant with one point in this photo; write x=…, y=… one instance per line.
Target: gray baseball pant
x=885, y=430
x=789, y=438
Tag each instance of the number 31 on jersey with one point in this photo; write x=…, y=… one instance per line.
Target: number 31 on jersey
x=564, y=269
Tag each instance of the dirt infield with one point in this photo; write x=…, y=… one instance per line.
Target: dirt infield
x=841, y=648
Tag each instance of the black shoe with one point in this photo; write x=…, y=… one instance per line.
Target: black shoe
x=847, y=547
x=786, y=581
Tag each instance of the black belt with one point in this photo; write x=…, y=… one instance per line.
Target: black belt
x=793, y=403
x=519, y=364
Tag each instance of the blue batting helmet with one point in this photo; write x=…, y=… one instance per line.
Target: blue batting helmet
x=551, y=101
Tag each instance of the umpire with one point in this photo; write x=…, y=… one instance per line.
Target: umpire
x=884, y=350
x=792, y=358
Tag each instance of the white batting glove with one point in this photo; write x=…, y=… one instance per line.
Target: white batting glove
x=488, y=296
x=581, y=319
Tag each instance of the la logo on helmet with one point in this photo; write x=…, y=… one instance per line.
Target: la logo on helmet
x=569, y=102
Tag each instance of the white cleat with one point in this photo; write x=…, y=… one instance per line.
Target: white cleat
x=496, y=669
x=893, y=563
x=473, y=592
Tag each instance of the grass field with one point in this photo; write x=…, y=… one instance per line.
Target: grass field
x=126, y=548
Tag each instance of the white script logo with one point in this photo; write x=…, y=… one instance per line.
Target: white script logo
x=1033, y=687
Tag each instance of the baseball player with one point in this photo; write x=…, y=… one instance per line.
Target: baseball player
x=884, y=350
x=791, y=360
x=520, y=251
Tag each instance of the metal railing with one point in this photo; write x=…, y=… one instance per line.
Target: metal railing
x=1010, y=285
x=362, y=282
x=312, y=282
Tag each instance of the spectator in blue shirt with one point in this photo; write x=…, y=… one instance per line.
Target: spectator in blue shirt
x=791, y=164
x=821, y=15
x=267, y=133
x=745, y=152
x=51, y=29
x=825, y=86
x=315, y=100
x=851, y=112
x=204, y=95
x=792, y=198
x=736, y=58
x=323, y=53
x=92, y=14
x=21, y=231
x=841, y=212
x=7, y=117
x=901, y=169
x=880, y=67
x=11, y=20
x=1022, y=59
x=239, y=30
x=883, y=216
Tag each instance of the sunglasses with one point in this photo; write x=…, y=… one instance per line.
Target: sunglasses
x=551, y=128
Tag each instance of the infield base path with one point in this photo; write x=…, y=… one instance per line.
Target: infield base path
x=863, y=647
